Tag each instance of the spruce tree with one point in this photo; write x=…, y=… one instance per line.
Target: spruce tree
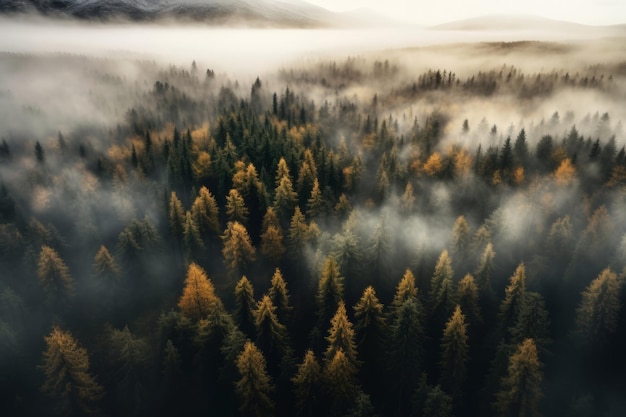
x=307, y=386
x=454, y=354
x=245, y=306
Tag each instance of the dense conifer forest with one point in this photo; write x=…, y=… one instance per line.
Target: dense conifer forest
x=344, y=237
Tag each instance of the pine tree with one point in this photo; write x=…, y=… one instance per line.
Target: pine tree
x=407, y=201
x=238, y=250
x=533, y=321
x=454, y=351
x=513, y=302
x=307, y=385
x=299, y=234
x=405, y=354
x=315, y=203
x=127, y=364
x=205, y=212
x=521, y=388
x=191, y=238
x=176, y=217
x=106, y=267
x=379, y=252
x=329, y=293
x=285, y=198
x=341, y=336
x=68, y=380
x=442, y=293
x=461, y=237
x=279, y=295
x=39, y=153
x=597, y=313
x=254, y=387
x=468, y=299
x=272, y=245
x=438, y=403
x=405, y=290
x=236, y=209
x=54, y=276
x=271, y=335
x=245, y=306
x=340, y=381
x=484, y=270
x=371, y=330
x=199, y=298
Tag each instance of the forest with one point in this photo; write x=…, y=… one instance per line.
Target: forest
x=417, y=232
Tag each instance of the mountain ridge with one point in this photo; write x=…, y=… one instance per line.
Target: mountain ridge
x=259, y=12
x=518, y=22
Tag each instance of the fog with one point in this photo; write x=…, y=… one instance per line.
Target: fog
x=102, y=126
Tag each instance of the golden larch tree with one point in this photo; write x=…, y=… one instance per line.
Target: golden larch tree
x=199, y=298
x=254, y=387
x=68, y=379
x=54, y=276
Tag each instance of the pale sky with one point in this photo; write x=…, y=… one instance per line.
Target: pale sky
x=430, y=12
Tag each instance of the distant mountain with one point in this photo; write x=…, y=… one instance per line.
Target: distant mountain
x=516, y=22
x=256, y=12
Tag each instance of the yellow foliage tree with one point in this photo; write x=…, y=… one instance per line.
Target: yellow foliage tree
x=199, y=298
x=434, y=164
x=66, y=367
x=564, y=174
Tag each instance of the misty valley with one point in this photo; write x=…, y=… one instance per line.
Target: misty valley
x=429, y=227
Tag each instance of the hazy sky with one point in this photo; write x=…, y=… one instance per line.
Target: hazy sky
x=593, y=12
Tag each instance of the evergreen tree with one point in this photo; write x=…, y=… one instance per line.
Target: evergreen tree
x=254, y=387
x=315, y=203
x=307, y=385
x=329, y=293
x=236, y=209
x=54, y=276
x=379, y=252
x=533, y=321
x=341, y=337
x=285, y=198
x=279, y=295
x=407, y=200
x=454, y=352
x=521, y=388
x=106, y=267
x=520, y=148
x=484, y=271
x=371, y=330
x=272, y=245
x=271, y=335
x=405, y=290
x=245, y=306
x=205, y=212
x=442, y=293
x=405, y=355
x=68, y=379
x=238, y=250
x=127, y=365
x=39, y=153
x=176, y=217
x=461, y=236
x=299, y=234
x=597, y=313
x=513, y=302
x=340, y=381
x=467, y=297
x=191, y=238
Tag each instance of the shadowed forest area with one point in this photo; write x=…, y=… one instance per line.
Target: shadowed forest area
x=409, y=234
